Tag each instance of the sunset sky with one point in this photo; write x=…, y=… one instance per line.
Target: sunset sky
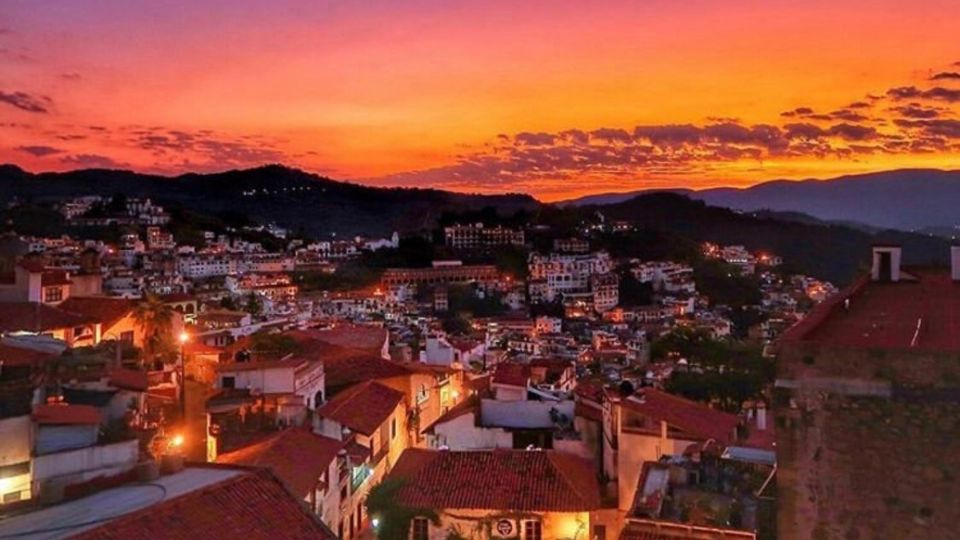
x=553, y=98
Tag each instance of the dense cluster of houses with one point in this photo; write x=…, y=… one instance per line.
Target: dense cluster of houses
x=523, y=426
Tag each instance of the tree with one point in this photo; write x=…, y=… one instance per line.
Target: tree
x=456, y=324
x=155, y=319
x=254, y=304
x=634, y=293
x=393, y=517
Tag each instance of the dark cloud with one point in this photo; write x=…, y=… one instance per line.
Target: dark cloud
x=26, y=102
x=534, y=139
x=904, y=92
x=804, y=130
x=71, y=76
x=853, y=132
x=799, y=111
x=937, y=93
x=204, y=149
x=669, y=134
x=858, y=105
x=946, y=75
x=847, y=115
x=575, y=136
x=95, y=161
x=915, y=110
x=40, y=150
x=936, y=128
x=611, y=135
x=943, y=94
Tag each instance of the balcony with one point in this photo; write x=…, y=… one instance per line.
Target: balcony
x=358, y=476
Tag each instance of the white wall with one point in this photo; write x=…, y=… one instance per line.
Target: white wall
x=461, y=433
x=76, y=466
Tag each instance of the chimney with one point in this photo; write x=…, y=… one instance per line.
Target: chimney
x=762, y=416
x=886, y=263
x=955, y=263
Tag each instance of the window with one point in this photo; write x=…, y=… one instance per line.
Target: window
x=421, y=529
x=126, y=337
x=422, y=394
x=53, y=294
x=599, y=532
x=228, y=382
x=531, y=530
x=393, y=428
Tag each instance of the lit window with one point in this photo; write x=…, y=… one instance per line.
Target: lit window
x=421, y=528
x=53, y=294
x=532, y=530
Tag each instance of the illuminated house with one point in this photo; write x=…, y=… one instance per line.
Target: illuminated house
x=528, y=495
x=310, y=465
x=375, y=417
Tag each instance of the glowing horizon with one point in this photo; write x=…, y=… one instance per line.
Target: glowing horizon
x=545, y=98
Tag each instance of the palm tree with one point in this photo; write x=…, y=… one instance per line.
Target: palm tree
x=155, y=319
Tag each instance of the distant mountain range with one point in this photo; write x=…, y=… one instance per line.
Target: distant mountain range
x=284, y=195
x=817, y=226
x=810, y=246
x=906, y=199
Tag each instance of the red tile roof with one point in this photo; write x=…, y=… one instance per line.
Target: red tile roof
x=100, y=308
x=174, y=298
x=253, y=506
x=885, y=315
x=19, y=356
x=129, y=379
x=297, y=456
x=693, y=418
x=511, y=373
x=351, y=369
x=52, y=278
x=366, y=338
x=59, y=414
x=362, y=408
x=33, y=317
x=516, y=480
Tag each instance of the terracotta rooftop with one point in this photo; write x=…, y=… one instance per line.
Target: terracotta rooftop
x=694, y=418
x=19, y=356
x=52, y=278
x=348, y=369
x=66, y=414
x=104, y=309
x=252, y=505
x=129, y=379
x=886, y=315
x=362, y=408
x=366, y=338
x=297, y=456
x=511, y=373
x=514, y=480
x=33, y=317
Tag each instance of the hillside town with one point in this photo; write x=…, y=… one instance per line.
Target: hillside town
x=575, y=395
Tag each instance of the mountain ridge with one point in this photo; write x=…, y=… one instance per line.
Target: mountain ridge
x=274, y=192
x=905, y=199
